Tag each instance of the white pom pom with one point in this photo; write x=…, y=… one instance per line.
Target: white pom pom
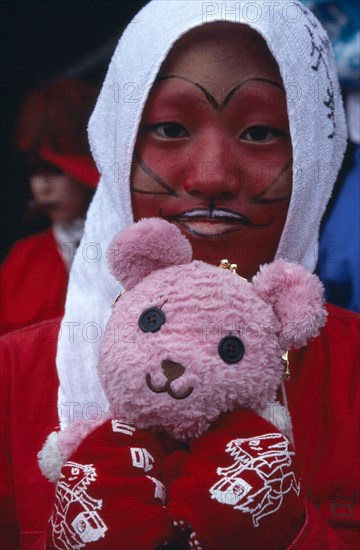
x=49, y=458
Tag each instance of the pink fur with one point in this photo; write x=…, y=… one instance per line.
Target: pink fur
x=145, y=246
x=202, y=304
x=297, y=299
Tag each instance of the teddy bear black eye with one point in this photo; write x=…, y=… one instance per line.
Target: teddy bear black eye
x=151, y=320
x=231, y=349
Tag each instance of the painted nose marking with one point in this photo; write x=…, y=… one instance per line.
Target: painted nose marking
x=172, y=370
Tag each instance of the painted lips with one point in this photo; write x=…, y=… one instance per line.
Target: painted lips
x=210, y=223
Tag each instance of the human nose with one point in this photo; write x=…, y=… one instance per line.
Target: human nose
x=212, y=171
x=41, y=185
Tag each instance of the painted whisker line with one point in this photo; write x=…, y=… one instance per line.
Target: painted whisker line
x=261, y=197
x=271, y=201
x=210, y=98
x=169, y=190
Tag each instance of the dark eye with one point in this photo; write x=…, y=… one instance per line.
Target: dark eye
x=231, y=349
x=168, y=130
x=151, y=320
x=261, y=133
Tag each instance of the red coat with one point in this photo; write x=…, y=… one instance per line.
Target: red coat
x=33, y=282
x=324, y=401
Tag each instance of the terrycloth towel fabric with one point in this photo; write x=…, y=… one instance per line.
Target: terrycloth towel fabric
x=318, y=133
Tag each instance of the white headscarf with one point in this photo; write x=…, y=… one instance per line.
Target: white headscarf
x=318, y=134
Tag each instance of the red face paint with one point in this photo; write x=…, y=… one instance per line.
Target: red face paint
x=213, y=153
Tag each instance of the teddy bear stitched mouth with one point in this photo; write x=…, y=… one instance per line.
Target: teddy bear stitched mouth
x=172, y=371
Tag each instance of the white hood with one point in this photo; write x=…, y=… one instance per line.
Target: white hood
x=318, y=133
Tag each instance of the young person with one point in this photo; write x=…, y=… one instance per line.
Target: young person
x=51, y=135
x=230, y=125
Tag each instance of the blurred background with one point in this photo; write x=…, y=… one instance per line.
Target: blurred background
x=41, y=40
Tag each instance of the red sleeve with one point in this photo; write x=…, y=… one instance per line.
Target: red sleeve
x=29, y=413
x=33, y=282
x=316, y=533
x=324, y=401
x=9, y=528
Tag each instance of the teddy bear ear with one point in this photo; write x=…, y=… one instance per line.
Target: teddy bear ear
x=297, y=297
x=146, y=246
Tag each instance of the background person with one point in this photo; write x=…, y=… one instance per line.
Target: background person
x=51, y=136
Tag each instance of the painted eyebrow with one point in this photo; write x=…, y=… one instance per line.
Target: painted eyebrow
x=210, y=98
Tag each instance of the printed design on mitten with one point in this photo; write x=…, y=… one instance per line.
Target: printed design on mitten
x=119, y=426
x=141, y=458
x=159, y=490
x=260, y=476
x=75, y=520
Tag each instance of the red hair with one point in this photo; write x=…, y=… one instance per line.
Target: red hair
x=55, y=117
x=52, y=129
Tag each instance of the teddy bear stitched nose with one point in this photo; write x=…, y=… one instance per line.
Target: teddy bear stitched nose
x=172, y=370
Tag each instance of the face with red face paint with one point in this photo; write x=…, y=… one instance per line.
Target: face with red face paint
x=213, y=152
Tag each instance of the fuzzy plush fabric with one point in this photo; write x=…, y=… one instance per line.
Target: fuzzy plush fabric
x=317, y=124
x=50, y=458
x=125, y=252
x=175, y=379
x=295, y=300
x=191, y=351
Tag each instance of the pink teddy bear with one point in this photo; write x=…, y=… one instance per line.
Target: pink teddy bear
x=196, y=447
